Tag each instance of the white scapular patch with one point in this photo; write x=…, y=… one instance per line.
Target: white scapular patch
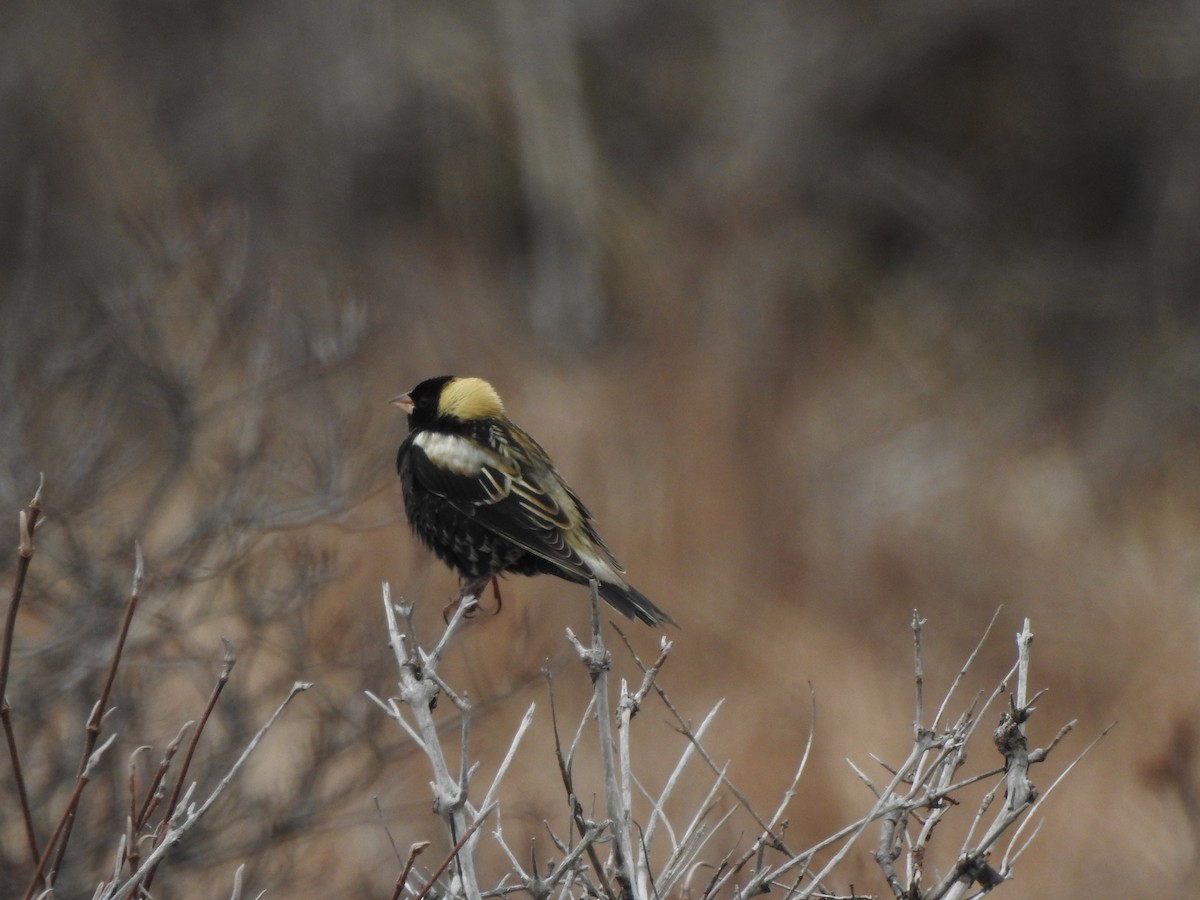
x=459, y=455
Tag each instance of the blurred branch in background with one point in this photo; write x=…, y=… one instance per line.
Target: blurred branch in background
x=555, y=150
x=213, y=431
x=130, y=872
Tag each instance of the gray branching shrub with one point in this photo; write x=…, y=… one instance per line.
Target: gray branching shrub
x=614, y=855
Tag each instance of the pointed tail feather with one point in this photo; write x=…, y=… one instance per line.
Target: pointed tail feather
x=632, y=603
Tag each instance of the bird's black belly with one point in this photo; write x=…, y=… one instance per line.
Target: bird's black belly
x=462, y=543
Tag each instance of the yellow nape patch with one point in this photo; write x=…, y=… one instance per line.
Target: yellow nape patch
x=470, y=398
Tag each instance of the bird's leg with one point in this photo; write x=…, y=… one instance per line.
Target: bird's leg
x=496, y=594
x=470, y=588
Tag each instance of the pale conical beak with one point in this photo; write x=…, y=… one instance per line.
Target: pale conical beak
x=404, y=402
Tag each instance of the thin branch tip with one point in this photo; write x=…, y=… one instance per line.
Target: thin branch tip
x=25, y=546
x=139, y=568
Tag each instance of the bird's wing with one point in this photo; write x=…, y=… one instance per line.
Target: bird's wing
x=507, y=484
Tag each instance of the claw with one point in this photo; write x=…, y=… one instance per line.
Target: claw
x=496, y=594
x=472, y=589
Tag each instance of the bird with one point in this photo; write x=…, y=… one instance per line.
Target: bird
x=484, y=496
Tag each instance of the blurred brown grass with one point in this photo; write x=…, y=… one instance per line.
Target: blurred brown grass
x=899, y=311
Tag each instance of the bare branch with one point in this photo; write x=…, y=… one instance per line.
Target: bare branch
x=190, y=815
x=28, y=519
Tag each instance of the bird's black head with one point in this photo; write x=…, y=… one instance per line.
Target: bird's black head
x=421, y=402
x=450, y=398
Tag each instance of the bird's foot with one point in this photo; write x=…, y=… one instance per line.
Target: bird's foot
x=470, y=592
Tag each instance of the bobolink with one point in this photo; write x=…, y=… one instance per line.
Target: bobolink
x=483, y=495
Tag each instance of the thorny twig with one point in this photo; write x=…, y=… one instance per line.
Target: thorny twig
x=576, y=807
x=222, y=679
x=28, y=522
x=62, y=831
x=597, y=661
x=188, y=814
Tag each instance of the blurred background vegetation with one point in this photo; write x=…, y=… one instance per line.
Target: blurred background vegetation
x=828, y=309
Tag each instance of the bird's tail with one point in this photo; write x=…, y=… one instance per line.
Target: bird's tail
x=632, y=603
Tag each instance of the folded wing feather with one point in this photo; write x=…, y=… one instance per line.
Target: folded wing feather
x=516, y=494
